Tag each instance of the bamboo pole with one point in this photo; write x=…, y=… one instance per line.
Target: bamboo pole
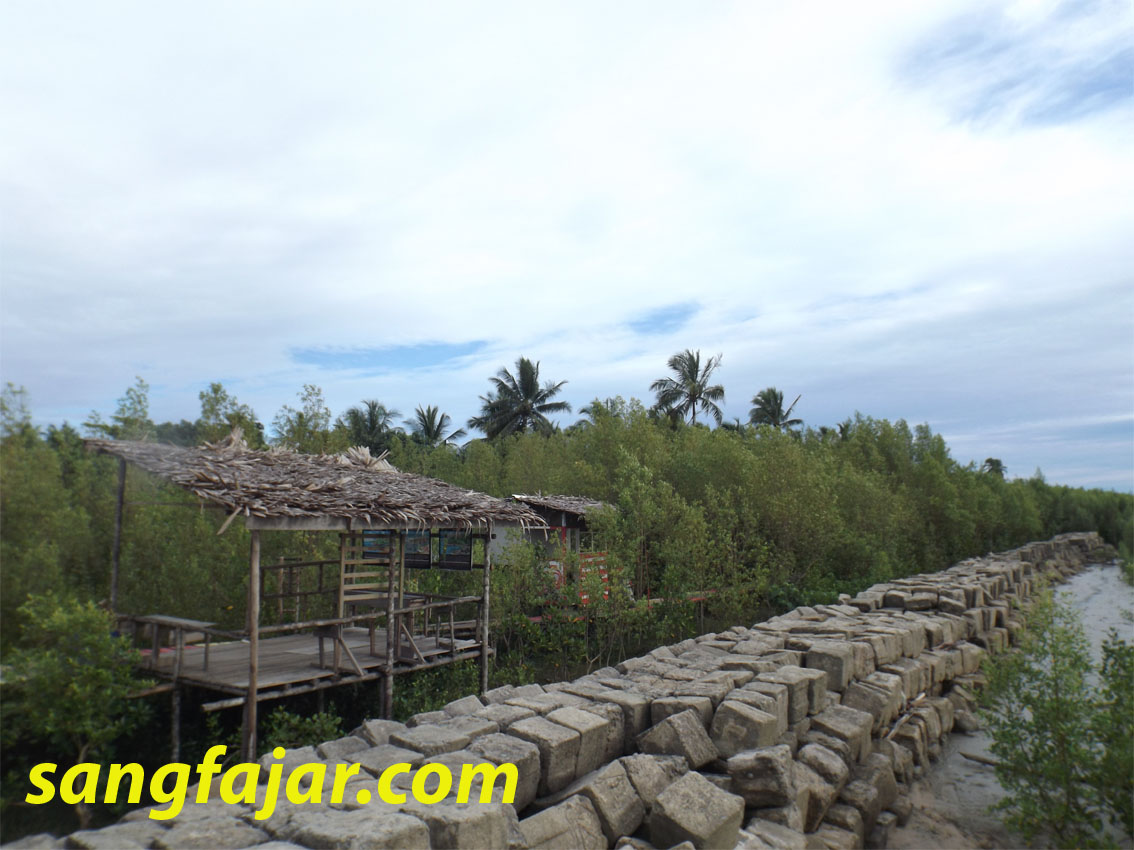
x=116, y=552
x=248, y=731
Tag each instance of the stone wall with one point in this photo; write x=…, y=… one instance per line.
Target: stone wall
x=802, y=731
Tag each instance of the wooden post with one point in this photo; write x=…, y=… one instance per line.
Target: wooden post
x=175, y=724
x=484, y=616
x=248, y=731
x=117, y=550
x=391, y=636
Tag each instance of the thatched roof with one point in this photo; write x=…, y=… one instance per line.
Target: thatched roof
x=352, y=489
x=577, y=505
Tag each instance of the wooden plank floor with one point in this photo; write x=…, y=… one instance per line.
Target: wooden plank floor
x=290, y=659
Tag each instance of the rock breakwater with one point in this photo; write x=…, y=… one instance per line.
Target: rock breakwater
x=805, y=731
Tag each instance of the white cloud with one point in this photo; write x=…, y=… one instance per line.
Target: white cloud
x=192, y=192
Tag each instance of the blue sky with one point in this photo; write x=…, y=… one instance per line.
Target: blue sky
x=913, y=210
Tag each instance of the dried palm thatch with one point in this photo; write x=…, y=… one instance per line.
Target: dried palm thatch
x=285, y=484
x=578, y=505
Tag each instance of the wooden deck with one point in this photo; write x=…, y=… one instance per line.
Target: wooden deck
x=294, y=659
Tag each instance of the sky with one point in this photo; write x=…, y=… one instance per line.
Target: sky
x=912, y=210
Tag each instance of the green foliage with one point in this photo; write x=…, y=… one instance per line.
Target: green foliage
x=309, y=428
x=283, y=728
x=689, y=390
x=221, y=413
x=371, y=425
x=131, y=419
x=518, y=403
x=65, y=687
x=768, y=409
x=1064, y=745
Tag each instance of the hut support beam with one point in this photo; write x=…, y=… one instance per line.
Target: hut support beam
x=175, y=724
x=248, y=730
x=116, y=551
x=392, y=633
x=484, y=618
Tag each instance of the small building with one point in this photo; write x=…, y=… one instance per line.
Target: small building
x=566, y=534
x=358, y=605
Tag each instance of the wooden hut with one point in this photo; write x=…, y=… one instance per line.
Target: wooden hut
x=373, y=627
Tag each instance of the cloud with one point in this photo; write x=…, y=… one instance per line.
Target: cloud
x=872, y=210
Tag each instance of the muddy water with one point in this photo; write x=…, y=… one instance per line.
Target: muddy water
x=951, y=801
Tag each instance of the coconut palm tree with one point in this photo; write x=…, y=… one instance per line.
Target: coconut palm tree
x=769, y=410
x=519, y=403
x=993, y=466
x=690, y=390
x=429, y=425
x=370, y=425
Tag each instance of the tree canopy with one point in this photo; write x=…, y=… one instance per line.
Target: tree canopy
x=519, y=403
x=689, y=390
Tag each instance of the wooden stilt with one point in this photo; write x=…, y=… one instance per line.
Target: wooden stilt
x=484, y=616
x=175, y=724
x=248, y=731
x=116, y=551
x=392, y=633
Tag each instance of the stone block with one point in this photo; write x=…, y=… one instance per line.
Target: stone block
x=836, y=659
x=377, y=759
x=826, y=763
x=662, y=708
x=617, y=803
x=836, y=838
x=211, y=834
x=693, y=809
x=635, y=714
x=504, y=715
x=430, y=740
x=424, y=717
x=360, y=829
x=558, y=750
x=470, y=725
x=507, y=749
x=814, y=795
x=499, y=695
x=847, y=818
x=593, y=733
x=777, y=836
x=650, y=775
x=863, y=796
x=764, y=777
x=454, y=825
x=682, y=735
x=572, y=825
x=738, y=726
x=764, y=702
x=341, y=747
x=464, y=705
x=796, y=687
x=615, y=744
x=850, y=725
x=377, y=732
x=880, y=695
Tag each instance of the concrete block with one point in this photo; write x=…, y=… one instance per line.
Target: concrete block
x=558, y=750
x=693, y=809
x=508, y=749
x=464, y=705
x=683, y=735
x=572, y=825
x=341, y=747
x=738, y=726
x=662, y=708
x=377, y=732
x=430, y=740
x=764, y=777
x=593, y=732
x=454, y=825
x=836, y=659
x=650, y=775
